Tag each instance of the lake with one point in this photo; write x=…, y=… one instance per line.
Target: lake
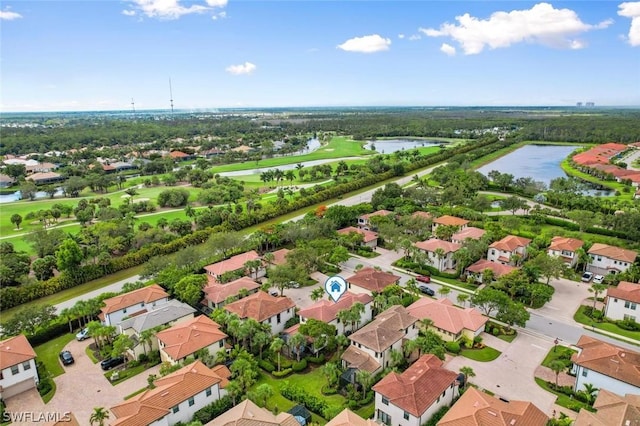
x=389, y=146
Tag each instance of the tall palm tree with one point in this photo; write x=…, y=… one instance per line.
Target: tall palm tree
x=556, y=366
x=366, y=379
x=297, y=342
x=468, y=372
x=440, y=254
x=316, y=294
x=276, y=346
x=99, y=416
x=462, y=299
x=596, y=289
x=444, y=291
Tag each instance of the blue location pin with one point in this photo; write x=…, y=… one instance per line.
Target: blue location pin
x=335, y=286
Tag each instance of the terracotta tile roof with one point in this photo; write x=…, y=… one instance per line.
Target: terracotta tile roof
x=625, y=291
x=247, y=413
x=6, y=178
x=260, y=306
x=15, y=350
x=386, y=329
x=446, y=316
x=178, y=154
x=468, y=232
x=359, y=359
x=43, y=176
x=376, y=213
x=146, y=294
x=423, y=215
x=564, y=243
x=612, y=410
x=187, y=337
x=433, y=244
x=418, y=387
x=613, y=252
x=498, y=268
x=170, y=390
x=510, y=243
x=475, y=408
x=372, y=279
x=218, y=293
x=232, y=264
x=280, y=256
x=368, y=236
x=613, y=361
x=450, y=220
x=67, y=421
x=326, y=310
x=349, y=418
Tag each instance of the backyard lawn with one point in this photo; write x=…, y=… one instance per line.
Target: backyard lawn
x=485, y=354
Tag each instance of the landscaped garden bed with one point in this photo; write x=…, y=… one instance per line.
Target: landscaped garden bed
x=584, y=316
x=500, y=331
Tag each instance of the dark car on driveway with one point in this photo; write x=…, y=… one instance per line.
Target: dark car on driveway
x=423, y=278
x=426, y=290
x=109, y=363
x=66, y=358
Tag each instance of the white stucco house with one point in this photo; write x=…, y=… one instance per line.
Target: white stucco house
x=606, y=259
x=502, y=251
x=327, y=311
x=185, y=338
x=565, y=248
x=264, y=308
x=432, y=247
x=17, y=366
x=132, y=303
x=623, y=302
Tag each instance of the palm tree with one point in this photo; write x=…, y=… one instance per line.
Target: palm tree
x=145, y=338
x=596, y=289
x=462, y=299
x=590, y=391
x=396, y=357
x=412, y=286
x=269, y=258
x=99, y=416
x=297, y=342
x=366, y=379
x=440, y=254
x=444, y=291
x=276, y=346
x=556, y=366
x=468, y=372
x=131, y=192
x=425, y=324
x=342, y=341
x=332, y=372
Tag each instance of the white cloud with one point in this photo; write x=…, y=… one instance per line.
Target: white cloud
x=448, y=49
x=220, y=15
x=366, y=44
x=246, y=68
x=400, y=36
x=129, y=12
x=172, y=9
x=415, y=37
x=542, y=24
x=217, y=3
x=7, y=15
x=632, y=10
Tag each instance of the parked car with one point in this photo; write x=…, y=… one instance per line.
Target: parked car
x=66, y=358
x=294, y=284
x=274, y=293
x=426, y=290
x=423, y=279
x=83, y=334
x=109, y=363
x=587, y=276
x=598, y=279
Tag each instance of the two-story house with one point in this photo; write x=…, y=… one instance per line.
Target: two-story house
x=349, y=418
x=439, y=253
x=476, y=270
x=233, y=264
x=17, y=366
x=606, y=366
x=371, y=345
x=369, y=238
x=216, y=294
x=264, y=308
x=175, y=398
x=606, y=259
x=185, y=338
x=247, y=413
x=467, y=233
x=132, y=303
x=565, y=248
x=447, y=220
x=327, y=311
x=413, y=397
x=449, y=321
x=623, y=301
x=508, y=249
x=369, y=280
x=611, y=409
x=364, y=221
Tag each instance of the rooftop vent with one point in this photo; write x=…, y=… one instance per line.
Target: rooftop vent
x=164, y=394
x=512, y=422
x=492, y=413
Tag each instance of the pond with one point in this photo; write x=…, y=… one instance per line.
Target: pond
x=389, y=146
x=16, y=196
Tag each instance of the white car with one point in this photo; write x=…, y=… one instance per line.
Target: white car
x=587, y=276
x=598, y=279
x=83, y=334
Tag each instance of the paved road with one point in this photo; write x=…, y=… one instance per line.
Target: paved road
x=115, y=287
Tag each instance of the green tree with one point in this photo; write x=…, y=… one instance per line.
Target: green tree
x=317, y=293
x=261, y=394
x=189, y=289
x=297, y=343
x=366, y=380
x=276, y=346
x=16, y=219
x=99, y=416
x=549, y=266
x=596, y=289
x=462, y=299
x=121, y=346
x=444, y=291
x=332, y=373
x=557, y=366
x=68, y=256
x=468, y=373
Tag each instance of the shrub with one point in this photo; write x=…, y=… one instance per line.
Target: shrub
x=316, y=359
x=495, y=331
x=44, y=386
x=143, y=358
x=628, y=324
x=300, y=366
x=282, y=373
x=266, y=365
x=453, y=347
x=213, y=410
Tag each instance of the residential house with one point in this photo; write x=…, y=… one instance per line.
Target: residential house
x=364, y=220
x=216, y=294
x=606, y=366
x=264, y=308
x=449, y=321
x=508, y=250
x=185, y=338
x=477, y=269
x=439, y=253
x=422, y=215
x=327, y=311
x=17, y=366
x=481, y=409
x=247, y=413
x=371, y=346
x=180, y=156
x=6, y=181
x=469, y=232
x=233, y=264
x=369, y=280
x=349, y=418
x=611, y=410
x=175, y=398
x=369, y=238
x=606, y=259
x=622, y=302
x=165, y=314
x=413, y=397
x=40, y=168
x=565, y=248
x=121, y=166
x=42, y=178
x=280, y=256
x=447, y=220
x=133, y=303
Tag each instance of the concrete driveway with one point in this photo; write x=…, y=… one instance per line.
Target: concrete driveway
x=568, y=296
x=80, y=389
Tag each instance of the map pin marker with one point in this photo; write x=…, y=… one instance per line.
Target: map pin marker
x=335, y=286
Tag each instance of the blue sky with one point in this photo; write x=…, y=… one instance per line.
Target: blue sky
x=98, y=55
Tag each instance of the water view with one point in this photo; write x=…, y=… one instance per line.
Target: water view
x=389, y=146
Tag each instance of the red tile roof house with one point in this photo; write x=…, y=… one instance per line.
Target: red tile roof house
x=470, y=232
x=132, y=303
x=369, y=280
x=476, y=408
x=565, y=248
x=247, y=413
x=371, y=345
x=264, y=308
x=447, y=262
x=369, y=238
x=449, y=321
x=477, y=269
x=611, y=409
x=187, y=337
x=606, y=366
x=327, y=310
x=42, y=178
x=449, y=221
x=349, y=418
x=175, y=398
x=280, y=256
x=17, y=367
x=606, y=259
x=413, y=397
x=363, y=221
x=623, y=302
x=234, y=263
x=216, y=294
x=502, y=251
x=180, y=156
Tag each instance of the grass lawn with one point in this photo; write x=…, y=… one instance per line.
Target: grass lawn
x=125, y=374
x=561, y=353
x=455, y=282
x=606, y=326
x=507, y=337
x=47, y=353
x=485, y=354
x=563, y=400
x=90, y=354
x=132, y=394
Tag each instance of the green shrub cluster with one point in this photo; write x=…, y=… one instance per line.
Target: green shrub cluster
x=310, y=402
x=266, y=365
x=300, y=366
x=316, y=359
x=453, y=347
x=282, y=373
x=213, y=410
